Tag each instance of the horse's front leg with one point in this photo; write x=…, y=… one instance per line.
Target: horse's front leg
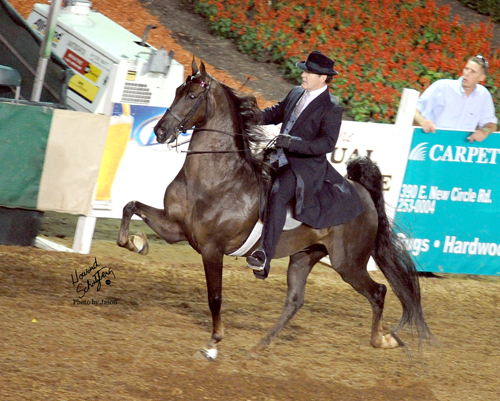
x=213, y=264
x=155, y=218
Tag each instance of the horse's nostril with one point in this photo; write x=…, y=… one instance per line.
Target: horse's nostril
x=160, y=134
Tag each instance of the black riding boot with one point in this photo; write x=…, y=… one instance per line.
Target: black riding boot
x=282, y=193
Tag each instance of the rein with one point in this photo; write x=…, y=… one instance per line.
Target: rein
x=192, y=152
x=200, y=152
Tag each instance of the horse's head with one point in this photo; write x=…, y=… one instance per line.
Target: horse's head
x=191, y=106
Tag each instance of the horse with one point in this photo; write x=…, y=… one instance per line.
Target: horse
x=213, y=203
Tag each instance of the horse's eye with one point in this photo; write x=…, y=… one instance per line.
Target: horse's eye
x=192, y=96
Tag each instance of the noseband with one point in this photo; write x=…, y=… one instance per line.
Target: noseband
x=181, y=127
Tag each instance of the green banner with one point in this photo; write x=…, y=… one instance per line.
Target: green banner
x=23, y=140
x=449, y=206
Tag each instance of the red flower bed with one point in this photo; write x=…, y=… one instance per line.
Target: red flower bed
x=380, y=46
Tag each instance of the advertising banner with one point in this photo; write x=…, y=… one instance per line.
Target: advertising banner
x=386, y=144
x=448, y=210
x=134, y=165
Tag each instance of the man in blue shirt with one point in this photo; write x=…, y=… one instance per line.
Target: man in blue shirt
x=462, y=103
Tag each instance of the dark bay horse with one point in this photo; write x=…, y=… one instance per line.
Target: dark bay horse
x=213, y=203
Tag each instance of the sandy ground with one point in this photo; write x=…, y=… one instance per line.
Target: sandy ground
x=143, y=342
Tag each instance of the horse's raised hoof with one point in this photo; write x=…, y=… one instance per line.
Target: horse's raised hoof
x=136, y=243
x=209, y=354
x=140, y=241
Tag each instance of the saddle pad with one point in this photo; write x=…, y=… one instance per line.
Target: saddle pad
x=254, y=236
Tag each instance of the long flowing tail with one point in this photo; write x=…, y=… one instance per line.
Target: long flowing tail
x=390, y=253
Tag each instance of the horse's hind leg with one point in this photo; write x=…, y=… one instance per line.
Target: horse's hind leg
x=154, y=218
x=357, y=276
x=299, y=268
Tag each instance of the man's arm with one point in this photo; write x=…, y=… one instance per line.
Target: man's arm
x=427, y=125
x=482, y=133
x=275, y=114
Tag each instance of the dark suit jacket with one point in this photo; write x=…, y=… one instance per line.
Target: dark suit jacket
x=323, y=198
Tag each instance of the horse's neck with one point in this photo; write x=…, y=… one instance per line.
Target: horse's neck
x=217, y=133
x=212, y=138
x=215, y=170
x=214, y=160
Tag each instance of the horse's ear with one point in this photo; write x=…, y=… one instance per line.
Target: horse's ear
x=203, y=71
x=194, y=67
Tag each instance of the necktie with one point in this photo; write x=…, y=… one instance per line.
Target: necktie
x=280, y=155
x=301, y=103
x=296, y=112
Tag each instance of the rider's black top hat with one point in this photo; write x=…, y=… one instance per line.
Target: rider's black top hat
x=318, y=63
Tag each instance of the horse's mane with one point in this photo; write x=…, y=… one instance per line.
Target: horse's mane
x=252, y=134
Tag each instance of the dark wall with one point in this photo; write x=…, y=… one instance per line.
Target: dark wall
x=20, y=49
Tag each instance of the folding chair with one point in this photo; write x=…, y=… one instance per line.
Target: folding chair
x=11, y=77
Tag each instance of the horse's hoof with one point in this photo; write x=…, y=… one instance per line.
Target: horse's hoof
x=209, y=354
x=390, y=341
x=255, y=352
x=140, y=242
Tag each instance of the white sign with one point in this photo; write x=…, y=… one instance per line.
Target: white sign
x=387, y=145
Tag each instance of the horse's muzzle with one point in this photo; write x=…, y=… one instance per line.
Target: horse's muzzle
x=161, y=134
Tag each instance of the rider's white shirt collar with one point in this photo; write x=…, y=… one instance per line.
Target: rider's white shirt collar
x=314, y=94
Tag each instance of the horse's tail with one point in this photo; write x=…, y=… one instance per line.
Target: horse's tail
x=390, y=253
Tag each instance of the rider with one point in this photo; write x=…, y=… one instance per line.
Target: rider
x=311, y=119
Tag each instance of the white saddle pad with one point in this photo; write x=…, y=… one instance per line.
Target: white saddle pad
x=254, y=236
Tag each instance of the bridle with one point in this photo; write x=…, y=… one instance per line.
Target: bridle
x=182, y=122
x=181, y=127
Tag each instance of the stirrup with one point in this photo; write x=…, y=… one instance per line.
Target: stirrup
x=257, y=260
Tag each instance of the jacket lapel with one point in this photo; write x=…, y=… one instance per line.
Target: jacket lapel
x=311, y=108
x=293, y=102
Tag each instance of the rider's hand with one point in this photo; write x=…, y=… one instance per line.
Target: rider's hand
x=283, y=141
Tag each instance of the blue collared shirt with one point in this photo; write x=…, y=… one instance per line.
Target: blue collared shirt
x=447, y=106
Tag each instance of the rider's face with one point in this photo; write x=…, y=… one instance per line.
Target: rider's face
x=311, y=81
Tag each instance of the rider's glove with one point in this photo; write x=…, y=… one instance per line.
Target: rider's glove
x=283, y=141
